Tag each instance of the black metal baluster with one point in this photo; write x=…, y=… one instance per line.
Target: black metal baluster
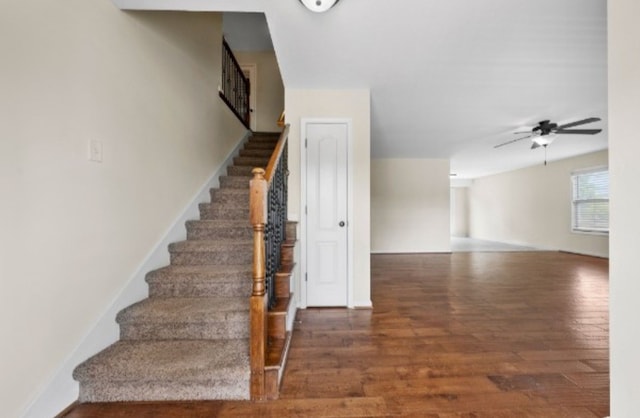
x=235, y=86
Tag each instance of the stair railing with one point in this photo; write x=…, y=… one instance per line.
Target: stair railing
x=268, y=216
x=235, y=87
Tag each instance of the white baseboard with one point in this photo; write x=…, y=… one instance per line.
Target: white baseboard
x=61, y=390
x=362, y=304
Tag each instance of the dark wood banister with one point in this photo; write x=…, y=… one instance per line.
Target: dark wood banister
x=259, y=300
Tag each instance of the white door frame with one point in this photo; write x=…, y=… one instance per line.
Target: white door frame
x=252, y=69
x=302, y=301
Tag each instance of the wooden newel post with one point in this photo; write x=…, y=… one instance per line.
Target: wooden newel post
x=258, y=301
x=258, y=218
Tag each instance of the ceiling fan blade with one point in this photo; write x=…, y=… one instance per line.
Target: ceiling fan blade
x=535, y=145
x=580, y=122
x=579, y=131
x=512, y=141
x=523, y=132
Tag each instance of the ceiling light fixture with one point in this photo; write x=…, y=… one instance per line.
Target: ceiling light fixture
x=319, y=6
x=544, y=140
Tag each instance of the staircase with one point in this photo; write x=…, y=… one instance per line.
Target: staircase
x=190, y=339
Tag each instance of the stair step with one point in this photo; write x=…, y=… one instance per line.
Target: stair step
x=261, y=153
x=276, y=361
x=229, y=212
x=228, y=197
x=207, y=252
x=211, y=229
x=200, y=281
x=260, y=145
x=239, y=170
x=283, y=280
x=166, y=370
x=291, y=231
x=185, y=318
x=277, y=317
x=265, y=136
x=251, y=161
x=235, y=182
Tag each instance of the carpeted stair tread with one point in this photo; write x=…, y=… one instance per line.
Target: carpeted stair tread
x=230, y=205
x=166, y=370
x=229, y=197
x=210, y=245
x=192, y=272
x=213, y=223
x=262, y=153
x=185, y=318
x=235, y=182
x=240, y=170
x=226, y=210
x=207, y=252
x=172, y=310
x=209, y=229
x=270, y=145
x=251, y=161
x=265, y=136
x=201, y=281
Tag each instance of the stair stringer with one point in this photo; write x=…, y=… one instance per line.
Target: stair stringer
x=61, y=389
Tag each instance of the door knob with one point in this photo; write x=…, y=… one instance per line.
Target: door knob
x=341, y=224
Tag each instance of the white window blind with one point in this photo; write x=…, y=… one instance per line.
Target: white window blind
x=591, y=200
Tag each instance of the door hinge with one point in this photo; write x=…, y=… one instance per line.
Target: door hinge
x=305, y=209
x=305, y=142
x=305, y=277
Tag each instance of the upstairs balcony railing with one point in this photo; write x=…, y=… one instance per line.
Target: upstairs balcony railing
x=235, y=87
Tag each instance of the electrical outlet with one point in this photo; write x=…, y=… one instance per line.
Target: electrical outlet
x=95, y=151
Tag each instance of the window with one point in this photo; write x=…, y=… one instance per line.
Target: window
x=590, y=208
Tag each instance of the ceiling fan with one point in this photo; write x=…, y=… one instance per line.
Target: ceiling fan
x=545, y=132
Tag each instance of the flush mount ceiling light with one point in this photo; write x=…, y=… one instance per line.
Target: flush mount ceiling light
x=319, y=6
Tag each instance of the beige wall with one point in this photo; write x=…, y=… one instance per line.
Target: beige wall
x=624, y=108
x=74, y=231
x=532, y=206
x=269, y=92
x=460, y=211
x=410, y=205
x=344, y=104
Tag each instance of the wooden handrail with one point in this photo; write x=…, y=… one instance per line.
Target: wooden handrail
x=260, y=189
x=277, y=152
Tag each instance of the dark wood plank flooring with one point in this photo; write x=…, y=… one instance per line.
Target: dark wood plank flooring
x=467, y=335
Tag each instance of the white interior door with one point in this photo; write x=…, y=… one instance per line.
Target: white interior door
x=326, y=214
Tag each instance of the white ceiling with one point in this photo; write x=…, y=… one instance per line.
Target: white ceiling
x=448, y=79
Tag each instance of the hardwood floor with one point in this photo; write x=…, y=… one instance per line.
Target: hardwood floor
x=467, y=335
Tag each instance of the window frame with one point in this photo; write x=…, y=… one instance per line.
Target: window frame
x=589, y=231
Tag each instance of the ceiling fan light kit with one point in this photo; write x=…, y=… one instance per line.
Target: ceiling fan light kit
x=319, y=6
x=545, y=132
x=542, y=140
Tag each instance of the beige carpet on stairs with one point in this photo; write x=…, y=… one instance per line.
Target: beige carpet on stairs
x=189, y=339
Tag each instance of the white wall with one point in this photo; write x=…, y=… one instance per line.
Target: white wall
x=624, y=108
x=532, y=206
x=459, y=211
x=74, y=231
x=410, y=206
x=269, y=92
x=348, y=104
